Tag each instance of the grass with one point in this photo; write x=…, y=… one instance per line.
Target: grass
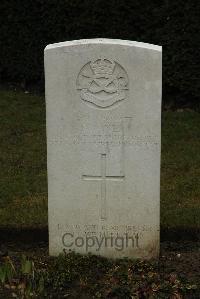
x=180, y=172
x=23, y=177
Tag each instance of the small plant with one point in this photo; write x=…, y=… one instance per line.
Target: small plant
x=27, y=284
x=92, y=276
x=7, y=270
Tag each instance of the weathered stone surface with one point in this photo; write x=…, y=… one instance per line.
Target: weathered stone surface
x=103, y=101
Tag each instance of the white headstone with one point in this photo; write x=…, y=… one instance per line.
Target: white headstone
x=103, y=101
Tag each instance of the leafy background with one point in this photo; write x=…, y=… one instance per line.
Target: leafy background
x=29, y=25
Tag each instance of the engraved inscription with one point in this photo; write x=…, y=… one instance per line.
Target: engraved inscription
x=102, y=83
x=103, y=178
x=111, y=139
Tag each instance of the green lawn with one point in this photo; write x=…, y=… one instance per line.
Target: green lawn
x=180, y=170
x=23, y=181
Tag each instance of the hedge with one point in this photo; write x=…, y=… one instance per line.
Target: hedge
x=29, y=25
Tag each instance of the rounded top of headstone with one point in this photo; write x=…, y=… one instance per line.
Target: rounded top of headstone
x=105, y=41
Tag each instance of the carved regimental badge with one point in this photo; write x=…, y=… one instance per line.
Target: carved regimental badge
x=102, y=83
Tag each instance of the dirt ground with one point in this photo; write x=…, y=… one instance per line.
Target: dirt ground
x=181, y=258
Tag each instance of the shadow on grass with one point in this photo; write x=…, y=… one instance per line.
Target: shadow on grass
x=37, y=235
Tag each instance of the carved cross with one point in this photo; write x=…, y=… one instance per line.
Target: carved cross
x=103, y=178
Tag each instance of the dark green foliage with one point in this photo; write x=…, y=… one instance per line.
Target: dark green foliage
x=29, y=25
